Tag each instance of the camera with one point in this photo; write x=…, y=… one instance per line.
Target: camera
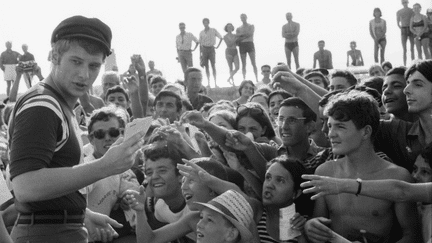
x=27, y=66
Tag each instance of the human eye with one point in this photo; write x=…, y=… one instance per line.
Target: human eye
x=76, y=61
x=241, y=129
x=95, y=66
x=280, y=180
x=148, y=172
x=267, y=177
x=170, y=105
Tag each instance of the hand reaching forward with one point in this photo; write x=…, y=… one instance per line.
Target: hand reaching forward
x=99, y=226
x=321, y=185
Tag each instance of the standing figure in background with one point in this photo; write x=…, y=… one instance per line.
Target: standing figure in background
x=290, y=32
x=356, y=55
x=29, y=66
x=403, y=17
x=184, y=47
x=324, y=57
x=153, y=70
x=231, y=52
x=378, y=29
x=8, y=62
x=245, y=34
x=419, y=27
x=207, y=40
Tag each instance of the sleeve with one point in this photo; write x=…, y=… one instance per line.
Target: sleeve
x=218, y=34
x=36, y=133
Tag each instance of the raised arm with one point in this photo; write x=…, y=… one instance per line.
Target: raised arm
x=139, y=104
x=394, y=190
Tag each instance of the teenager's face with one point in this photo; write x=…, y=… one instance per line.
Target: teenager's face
x=212, y=227
x=194, y=191
x=157, y=87
x=220, y=121
x=248, y=124
x=118, y=99
x=76, y=70
x=162, y=178
x=337, y=83
x=194, y=82
x=376, y=72
x=317, y=81
x=393, y=97
x=247, y=90
x=101, y=145
x=418, y=93
x=275, y=102
x=344, y=136
x=293, y=134
x=278, y=187
x=422, y=172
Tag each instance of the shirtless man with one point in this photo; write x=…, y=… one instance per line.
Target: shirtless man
x=356, y=55
x=353, y=122
x=324, y=57
x=245, y=35
x=403, y=17
x=290, y=32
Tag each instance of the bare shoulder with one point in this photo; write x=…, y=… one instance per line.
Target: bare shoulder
x=392, y=171
x=330, y=167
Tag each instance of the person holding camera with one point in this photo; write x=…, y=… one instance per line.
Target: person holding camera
x=29, y=66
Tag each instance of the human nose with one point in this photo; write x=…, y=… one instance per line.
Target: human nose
x=407, y=89
x=84, y=73
x=185, y=184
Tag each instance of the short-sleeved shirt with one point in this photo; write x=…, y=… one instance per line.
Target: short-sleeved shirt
x=42, y=135
x=208, y=38
x=184, y=42
x=9, y=57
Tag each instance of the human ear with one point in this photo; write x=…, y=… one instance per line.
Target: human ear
x=55, y=58
x=367, y=132
x=232, y=234
x=297, y=193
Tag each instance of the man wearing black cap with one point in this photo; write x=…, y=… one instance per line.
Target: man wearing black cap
x=45, y=151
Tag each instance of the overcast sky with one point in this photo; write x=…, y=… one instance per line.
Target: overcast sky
x=149, y=28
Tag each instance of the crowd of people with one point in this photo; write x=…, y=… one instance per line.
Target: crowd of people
x=312, y=155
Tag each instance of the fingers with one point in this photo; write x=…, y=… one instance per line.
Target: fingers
x=113, y=222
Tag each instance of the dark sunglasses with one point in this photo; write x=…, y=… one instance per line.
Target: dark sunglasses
x=113, y=132
x=255, y=111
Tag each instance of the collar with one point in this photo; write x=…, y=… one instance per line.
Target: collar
x=312, y=150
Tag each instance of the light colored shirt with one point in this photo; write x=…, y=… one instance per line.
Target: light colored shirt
x=208, y=37
x=184, y=42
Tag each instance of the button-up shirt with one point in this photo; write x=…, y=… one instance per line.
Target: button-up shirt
x=184, y=42
x=208, y=37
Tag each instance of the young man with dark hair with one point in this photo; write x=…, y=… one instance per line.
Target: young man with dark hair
x=168, y=105
x=193, y=83
x=341, y=79
x=324, y=57
x=290, y=32
x=207, y=40
x=45, y=147
x=265, y=71
x=353, y=124
x=296, y=122
x=156, y=84
x=184, y=47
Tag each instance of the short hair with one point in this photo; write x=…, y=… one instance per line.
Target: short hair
x=283, y=93
x=325, y=98
x=226, y=27
x=258, y=94
x=374, y=83
x=424, y=67
x=300, y=71
x=114, y=74
x=159, y=149
x=228, y=116
x=157, y=79
x=396, y=70
x=105, y=114
x=378, y=10
x=206, y=19
x=117, y=89
x=317, y=74
x=265, y=66
x=263, y=119
x=321, y=41
x=297, y=102
x=353, y=42
x=243, y=83
x=265, y=89
x=168, y=93
x=90, y=46
x=386, y=64
x=181, y=23
x=357, y=106
x=349, y=76
x=373, y=66
x=212, y=167
x=418, y=4
x=190, y=70
x=370, y=90
x=222, y=106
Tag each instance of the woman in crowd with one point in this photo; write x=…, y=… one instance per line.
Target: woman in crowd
x=231, y=53
x=419, y=27
x=378, y=29
x=246, y=90
x=261, y=99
